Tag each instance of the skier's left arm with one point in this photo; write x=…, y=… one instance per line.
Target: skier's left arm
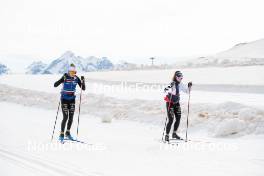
x=81, y=82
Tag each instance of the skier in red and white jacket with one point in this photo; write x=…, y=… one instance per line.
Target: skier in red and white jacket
x=172, y=100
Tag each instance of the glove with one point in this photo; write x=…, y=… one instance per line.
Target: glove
x=82, y=78
x=189, y=84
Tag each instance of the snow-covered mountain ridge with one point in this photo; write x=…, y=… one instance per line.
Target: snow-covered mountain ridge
x=61, y=64
x=3, y=69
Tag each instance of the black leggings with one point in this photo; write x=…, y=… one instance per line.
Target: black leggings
x=68, y=112
x=173, y=110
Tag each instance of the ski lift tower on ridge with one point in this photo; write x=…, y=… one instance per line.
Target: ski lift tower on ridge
x=152, y=61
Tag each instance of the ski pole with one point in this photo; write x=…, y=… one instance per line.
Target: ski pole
x=188, y=112
x=164, y=128
x=56, y=120
x=166, y=118
x=79, y=111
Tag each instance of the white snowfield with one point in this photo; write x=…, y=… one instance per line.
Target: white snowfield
x=250, y=75
x=242, y=54
x=226, y=126
x=244, y=50
x=120, y=148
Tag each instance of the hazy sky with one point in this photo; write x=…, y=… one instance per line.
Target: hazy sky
x=121, y=29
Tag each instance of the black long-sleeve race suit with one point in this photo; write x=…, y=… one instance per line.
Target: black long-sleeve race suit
x=68, y=98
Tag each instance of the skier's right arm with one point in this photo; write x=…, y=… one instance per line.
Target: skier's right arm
x=57, y=83
x=168, y=87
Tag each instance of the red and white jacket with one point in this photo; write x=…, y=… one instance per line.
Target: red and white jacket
x=173, y=92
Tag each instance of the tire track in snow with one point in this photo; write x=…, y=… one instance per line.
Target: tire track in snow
x=42, y=166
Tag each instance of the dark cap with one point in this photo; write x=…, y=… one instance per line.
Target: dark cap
x=178, y=74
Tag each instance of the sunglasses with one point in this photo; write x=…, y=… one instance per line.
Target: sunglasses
x=72, y=72
x=181, y=77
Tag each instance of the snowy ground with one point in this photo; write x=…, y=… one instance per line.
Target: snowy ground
x=228, y=122
x=120, y=148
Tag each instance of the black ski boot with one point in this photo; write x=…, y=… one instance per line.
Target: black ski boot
x=175, y=136
x=68, y=135
x=167, y=138
x=61, y=137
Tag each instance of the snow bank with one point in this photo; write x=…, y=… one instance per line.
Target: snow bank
x=219, y=120
x=230, y=118
x=229, y=127
x=107, y=119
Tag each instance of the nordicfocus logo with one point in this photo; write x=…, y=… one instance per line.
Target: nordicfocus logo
x=57, y=146
x=124, y=86
x=188, y=146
